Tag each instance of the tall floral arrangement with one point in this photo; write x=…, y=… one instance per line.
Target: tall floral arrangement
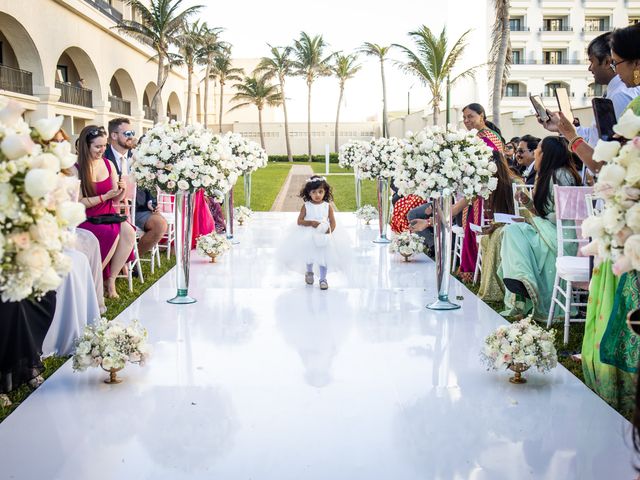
x=249, y=156
x=445, y=159
x=352, y=153
x=37, y=211
x=615, y=230
x=177, y=157
x=380, y=157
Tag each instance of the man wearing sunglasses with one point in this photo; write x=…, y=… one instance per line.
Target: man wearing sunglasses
x=121, y=142
x=525, y=158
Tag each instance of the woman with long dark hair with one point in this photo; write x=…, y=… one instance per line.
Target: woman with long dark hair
x=475, y=117
x=100, y=188
x=529, y=249
x=500, y=201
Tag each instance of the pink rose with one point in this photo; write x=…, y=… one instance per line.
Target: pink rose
x=21, y=240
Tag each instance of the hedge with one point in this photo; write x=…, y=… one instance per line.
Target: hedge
x=333, y=158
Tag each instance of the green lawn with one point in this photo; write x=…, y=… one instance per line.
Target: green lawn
x=344, y=192
x=114, y=307
x=265, y=185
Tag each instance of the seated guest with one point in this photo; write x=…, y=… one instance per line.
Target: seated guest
x=99, y=190
x=510, y=154
x=525, y=159
x=529, y=249
x=401, y=208
x=500, y=201
x=216, y=213
x=149, y=220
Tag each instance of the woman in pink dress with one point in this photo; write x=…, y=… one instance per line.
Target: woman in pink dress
x=203, y=223
x=100, y=188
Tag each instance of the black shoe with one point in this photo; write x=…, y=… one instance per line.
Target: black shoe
x=135, y=273
x=516, y=286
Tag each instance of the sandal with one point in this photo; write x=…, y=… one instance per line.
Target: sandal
x=308, y=278
x=324, y=285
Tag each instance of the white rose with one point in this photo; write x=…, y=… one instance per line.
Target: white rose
x=605, y=151
x=46, y=161
x=35, y=259
x=11, y=114
x=16, y=146
x=633, y=173
x=71, y=214
x=49, y=280
x=38, y=182
x=183, y=185
x=62, y=150
x=612, y=174
x=592, y=227
x=632, y=251
x=48, y=127
x=628, y=125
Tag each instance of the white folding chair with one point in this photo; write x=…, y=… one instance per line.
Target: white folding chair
x=166, y=209
x=571, y=210
x=517, y=187
x=458, y=238
x=129, y=207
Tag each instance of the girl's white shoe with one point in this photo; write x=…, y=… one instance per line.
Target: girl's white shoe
x=324, y=285
x=308, y=278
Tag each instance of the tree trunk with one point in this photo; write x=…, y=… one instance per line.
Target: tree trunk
x=499, y=70
x=286, y=120
x=189, y=89
x=157, y=100
x=309, y=120
x=385, y=120
x=338, y=115
x=221, y=106
x=436, y=113
x=260, y=127
x=206, y=94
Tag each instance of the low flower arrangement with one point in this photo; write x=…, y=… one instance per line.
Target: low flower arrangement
x=179, y=158
x=407, y=244
x=212, y=245
x=615, y=231
x=242, y=214
x=366, y=213
x=37, y=206
x=439, y=159
x=352, y=153
x=379, y=158
x=111, y=345
x=249, y=156
x=520, y=346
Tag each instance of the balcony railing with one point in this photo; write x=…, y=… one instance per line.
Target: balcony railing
x=75, y=95
x=515, y=93
x=520, y=28
x=561, y=28
x=562, y=61
x=120, y=105
x=16, y=80
x=596, y=28
x=148, y=112
x=107, y=9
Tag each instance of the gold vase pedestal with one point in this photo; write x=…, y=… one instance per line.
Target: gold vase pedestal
x=406, y=257
x=518, y=368
x=113, y=376
x=213, y=258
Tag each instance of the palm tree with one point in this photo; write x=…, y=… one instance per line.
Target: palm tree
x=223, y=70
x=256, y=90
x=280, y=66
x=211, y=47
x=344, y=68
x=310, y=64
x=161, y=23
x=381, y=52
x=189, y=50
x=434, y=62
x=499, y=56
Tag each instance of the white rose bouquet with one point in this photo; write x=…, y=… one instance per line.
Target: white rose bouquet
x=352, y=153
x=178, y=158
x=407, y=244
x=615, y=231
x=249, y=156
x=439, y=159
x=242, y=214
x=111, y=345
x=212, y=245
x=37, y=208
x=524, y=343
x=379, y=158
x=366, y=213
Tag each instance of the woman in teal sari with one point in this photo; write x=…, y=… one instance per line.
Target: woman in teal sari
x=529, y=248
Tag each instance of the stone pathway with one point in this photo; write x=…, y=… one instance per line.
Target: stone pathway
x=288, y=199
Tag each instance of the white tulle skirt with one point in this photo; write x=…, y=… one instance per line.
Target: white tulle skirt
x=301, y=246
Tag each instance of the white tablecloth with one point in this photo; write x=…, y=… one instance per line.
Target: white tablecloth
x=87, y=243
x=76, y=306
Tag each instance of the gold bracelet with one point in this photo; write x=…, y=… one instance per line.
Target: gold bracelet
x=574, y=141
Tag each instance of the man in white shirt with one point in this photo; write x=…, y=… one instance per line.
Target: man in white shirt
x=121, y=141
x=599, y=53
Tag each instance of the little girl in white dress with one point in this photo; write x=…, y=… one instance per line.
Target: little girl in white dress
x=313, y=241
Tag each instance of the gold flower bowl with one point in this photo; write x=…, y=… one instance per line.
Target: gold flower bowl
x=518, y=368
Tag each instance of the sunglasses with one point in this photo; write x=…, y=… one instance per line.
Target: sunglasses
x=614, y=64
x=129, y=133
x=520, y=150
x=96, y=132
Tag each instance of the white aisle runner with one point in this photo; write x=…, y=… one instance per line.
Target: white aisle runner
x=266, y=378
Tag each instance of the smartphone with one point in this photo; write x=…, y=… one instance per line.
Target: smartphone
x=605, y=117
x=564, y=104
x=539, y=107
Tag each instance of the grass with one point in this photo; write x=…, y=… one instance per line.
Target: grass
x=114, y=307
x=265, y=185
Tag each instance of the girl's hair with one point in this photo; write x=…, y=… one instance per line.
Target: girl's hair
x=501, y=199
x=625, y=42
x=555, y=156
x=314, y=183
x=479, y=109
x=87, y=135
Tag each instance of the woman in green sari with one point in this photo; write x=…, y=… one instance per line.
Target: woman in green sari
x=529, y=248
x=609, y=348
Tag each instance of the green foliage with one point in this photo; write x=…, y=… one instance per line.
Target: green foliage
x=333, y=158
